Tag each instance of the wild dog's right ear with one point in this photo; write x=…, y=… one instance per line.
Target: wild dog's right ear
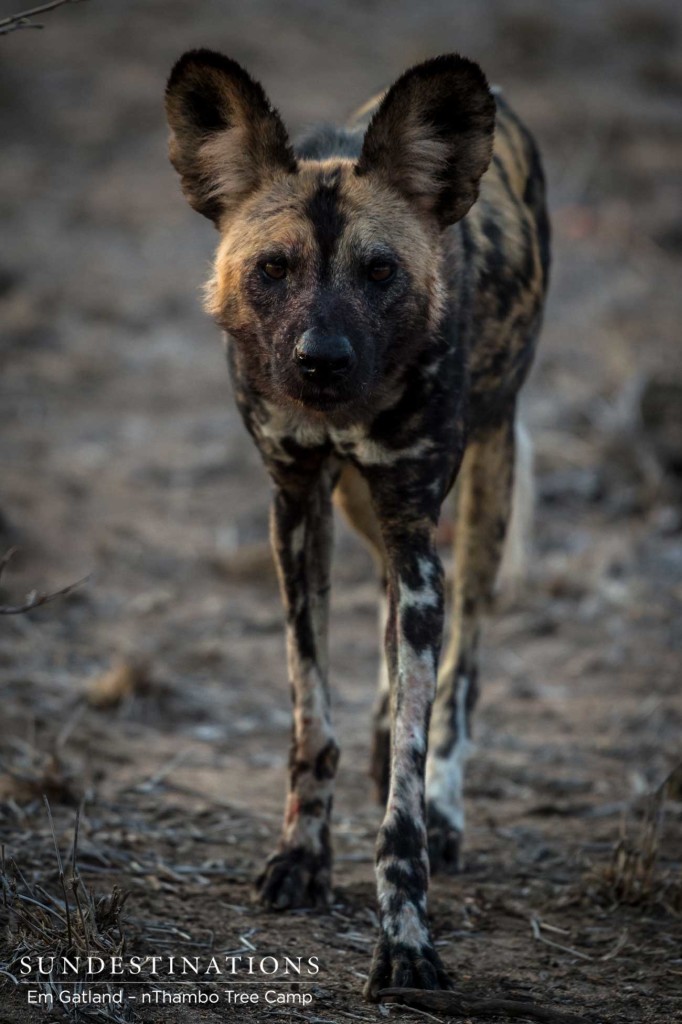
x=432, y=137
x=225, y=136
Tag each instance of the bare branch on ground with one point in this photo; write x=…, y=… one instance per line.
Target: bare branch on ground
x=35, y=599
x=23, y=18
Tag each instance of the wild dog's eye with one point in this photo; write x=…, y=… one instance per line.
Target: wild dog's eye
x=381, y=271
x=274, y=269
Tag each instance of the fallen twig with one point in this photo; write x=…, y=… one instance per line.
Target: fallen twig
x=539, y=937
x=453, y=1003
x=150, y=784
x=420, y=1013
x=23, y=18
x=35, y=599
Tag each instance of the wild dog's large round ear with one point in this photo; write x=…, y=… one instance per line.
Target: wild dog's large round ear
x=225, y=135
x=432, y=136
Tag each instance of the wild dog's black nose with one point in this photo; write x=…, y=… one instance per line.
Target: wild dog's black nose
x=323, y=356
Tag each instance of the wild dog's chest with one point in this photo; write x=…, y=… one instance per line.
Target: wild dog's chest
x=288, y=437
x=416, y=428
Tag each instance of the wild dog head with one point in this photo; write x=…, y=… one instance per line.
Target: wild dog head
x=328, y=273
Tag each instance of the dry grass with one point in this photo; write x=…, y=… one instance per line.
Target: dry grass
x=634, y=876
x=75, y=923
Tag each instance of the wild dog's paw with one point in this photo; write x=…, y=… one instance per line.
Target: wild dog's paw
x=397, y=965
x=380, y=762
x=445, y=842
x=294, y=877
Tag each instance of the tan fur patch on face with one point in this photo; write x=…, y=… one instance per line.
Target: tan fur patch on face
x=378, y=216
x=271, y=219
x=275, y=218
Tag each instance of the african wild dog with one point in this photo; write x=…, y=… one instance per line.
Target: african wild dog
x=381, y=317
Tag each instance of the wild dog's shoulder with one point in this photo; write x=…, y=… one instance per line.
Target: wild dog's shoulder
x=515, y=152
x=505, y=242
x=510, y=218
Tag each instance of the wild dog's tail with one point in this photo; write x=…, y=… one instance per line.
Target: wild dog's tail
x=518, y=546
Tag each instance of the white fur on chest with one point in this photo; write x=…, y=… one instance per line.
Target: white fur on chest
x=288, y=425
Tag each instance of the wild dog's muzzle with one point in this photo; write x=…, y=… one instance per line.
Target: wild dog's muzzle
x=324, y=359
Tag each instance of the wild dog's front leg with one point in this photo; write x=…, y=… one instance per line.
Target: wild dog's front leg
x=405, y=955
x=299, y=872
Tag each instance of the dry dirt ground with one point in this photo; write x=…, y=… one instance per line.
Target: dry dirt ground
x=123, y=457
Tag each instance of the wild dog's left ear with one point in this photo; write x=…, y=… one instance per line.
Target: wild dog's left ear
x=225, y=136
x=432, y=137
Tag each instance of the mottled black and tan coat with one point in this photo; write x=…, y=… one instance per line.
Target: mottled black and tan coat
x=381, y=288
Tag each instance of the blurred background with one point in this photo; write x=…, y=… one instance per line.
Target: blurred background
x=123, y=456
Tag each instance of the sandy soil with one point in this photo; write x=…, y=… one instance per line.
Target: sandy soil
x=123, y=457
